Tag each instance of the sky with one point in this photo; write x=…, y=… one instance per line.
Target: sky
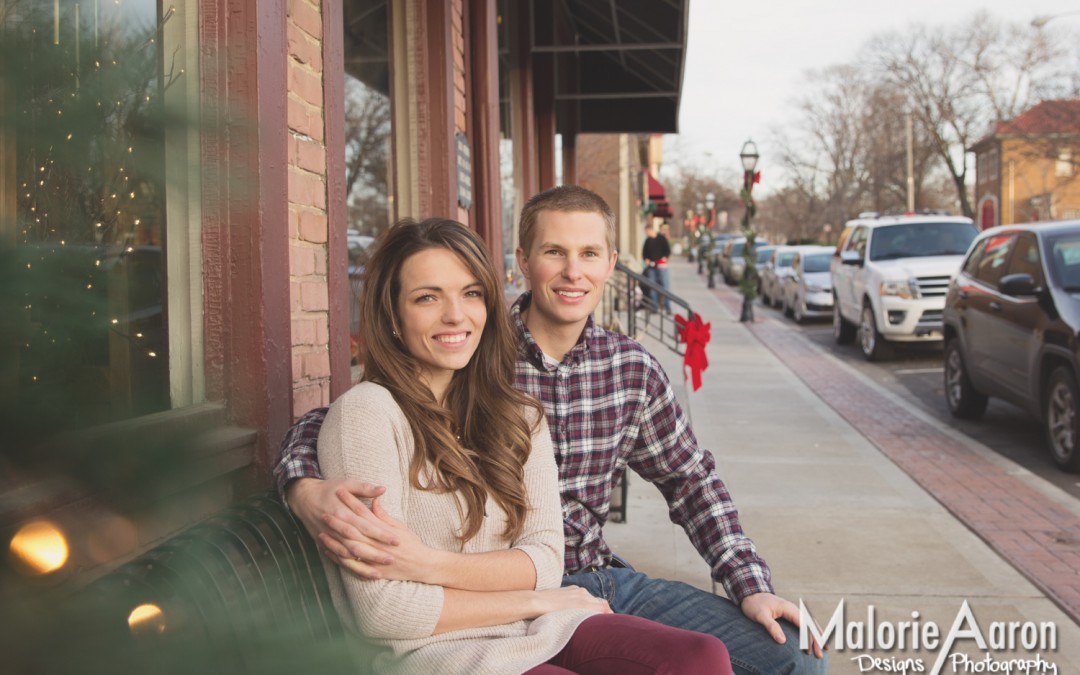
x=746, y=62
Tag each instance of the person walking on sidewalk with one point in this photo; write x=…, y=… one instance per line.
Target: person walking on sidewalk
x=655, y=253
x=609, y=406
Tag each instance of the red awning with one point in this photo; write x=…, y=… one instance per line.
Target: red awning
x=658, y=198
x=656, y=190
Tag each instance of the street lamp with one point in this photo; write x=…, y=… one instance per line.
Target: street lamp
x=748, y=284
x=1040, y=21
x=710, y=229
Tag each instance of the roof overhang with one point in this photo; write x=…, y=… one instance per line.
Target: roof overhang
x=618, y=64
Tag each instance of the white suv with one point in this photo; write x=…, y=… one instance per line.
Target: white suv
x=890, y=275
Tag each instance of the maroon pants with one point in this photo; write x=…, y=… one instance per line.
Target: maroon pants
x=619, y=644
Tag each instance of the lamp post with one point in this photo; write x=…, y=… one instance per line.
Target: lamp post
x=710, y=229
x=748, y=283
x=1040, y=21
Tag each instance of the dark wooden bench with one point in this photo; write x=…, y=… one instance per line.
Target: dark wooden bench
x=241, y=592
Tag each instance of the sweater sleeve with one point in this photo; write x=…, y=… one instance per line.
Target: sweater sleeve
x=366, y=435
x=542, y=537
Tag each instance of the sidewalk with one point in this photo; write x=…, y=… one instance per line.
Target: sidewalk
x=823, y=495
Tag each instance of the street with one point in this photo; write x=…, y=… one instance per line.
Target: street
x=915, y=373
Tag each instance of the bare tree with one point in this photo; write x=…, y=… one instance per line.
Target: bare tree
x=958, y=80
x=367, y=155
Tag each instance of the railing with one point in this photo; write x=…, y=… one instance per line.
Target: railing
x=635, y=305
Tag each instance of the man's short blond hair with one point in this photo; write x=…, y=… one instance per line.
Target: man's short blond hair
x=569, y=199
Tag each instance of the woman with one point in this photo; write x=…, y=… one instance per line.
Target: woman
x=472, y=487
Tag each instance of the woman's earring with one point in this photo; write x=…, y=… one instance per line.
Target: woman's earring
x=396, y=336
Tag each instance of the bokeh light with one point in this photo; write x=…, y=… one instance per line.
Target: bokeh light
x=146, y=619
x=39, y=547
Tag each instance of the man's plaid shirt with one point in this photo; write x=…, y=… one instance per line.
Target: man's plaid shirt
x=609, y=405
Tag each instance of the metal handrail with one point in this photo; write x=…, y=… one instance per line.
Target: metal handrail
x=633, y=305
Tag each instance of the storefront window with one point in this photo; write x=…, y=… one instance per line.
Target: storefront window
x=85, y=134
x=368, y=148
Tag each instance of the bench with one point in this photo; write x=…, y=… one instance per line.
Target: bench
x=241, y=592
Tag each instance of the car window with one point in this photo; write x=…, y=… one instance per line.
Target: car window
x=991, y=266
x=1065, y=263
x=971, y=265
x=841, y=242
x=916, y=240
x=857, y=242
x=817, y=262
x=1025, y=258
x=785, y=259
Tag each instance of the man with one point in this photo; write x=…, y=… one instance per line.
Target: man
x=655, y=252
x=609, y=405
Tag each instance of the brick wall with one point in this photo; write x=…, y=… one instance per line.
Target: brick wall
x=307, y=209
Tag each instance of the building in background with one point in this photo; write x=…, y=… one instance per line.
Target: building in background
x=186, y=193
x=1028, y=169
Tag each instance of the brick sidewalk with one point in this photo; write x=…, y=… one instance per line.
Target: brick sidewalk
x=1034, y=534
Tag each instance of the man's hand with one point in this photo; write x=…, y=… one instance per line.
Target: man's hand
x=349, y=534
x=766, y=608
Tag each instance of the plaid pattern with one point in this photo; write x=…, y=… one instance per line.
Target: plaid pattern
x=609, y=405
x=299, y=459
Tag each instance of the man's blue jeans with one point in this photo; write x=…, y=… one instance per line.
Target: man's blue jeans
x=752, y=649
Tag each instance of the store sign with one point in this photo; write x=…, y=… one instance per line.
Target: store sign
x=464, y=172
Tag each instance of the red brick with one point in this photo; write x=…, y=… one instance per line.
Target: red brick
x=298, y=115
x=316, y=364
x=294, y=296
x=313, y=227
x=313, y=297
x=294, y=223
x=307, y=17
x=297, y=367
x=303, y=332
x=303, y=49
x=315, y=125
x=305, y=84
x=305, y=398
x=311, y=156
x=322, y=331
x=301, y=261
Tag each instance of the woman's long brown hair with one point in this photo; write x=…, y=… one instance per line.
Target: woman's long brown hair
x=482, y=407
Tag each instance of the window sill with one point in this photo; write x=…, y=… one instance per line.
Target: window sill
x=125, y=462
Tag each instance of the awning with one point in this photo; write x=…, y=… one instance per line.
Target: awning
x=618, y=64
x=658, y=204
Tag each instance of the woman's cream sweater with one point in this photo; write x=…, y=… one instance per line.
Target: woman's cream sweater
x=366, y=436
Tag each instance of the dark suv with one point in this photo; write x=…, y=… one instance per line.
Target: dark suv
x=1012, y=317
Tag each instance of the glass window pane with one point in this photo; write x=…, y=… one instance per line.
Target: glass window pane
x=84, y=237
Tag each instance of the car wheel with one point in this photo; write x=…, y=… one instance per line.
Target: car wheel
x=965, y=402
x=843, y=331
x=787, y=306
x=874, y=347
x=1062, y=416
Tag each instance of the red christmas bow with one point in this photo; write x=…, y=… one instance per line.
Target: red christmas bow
x=696, y=335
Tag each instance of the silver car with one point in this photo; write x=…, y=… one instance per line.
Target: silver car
x=808, y=289
x=774, y=272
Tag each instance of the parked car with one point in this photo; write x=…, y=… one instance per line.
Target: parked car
x=808, y=289
x=890, y=275
x=1012, y=319
x=773, y=274
x=732, y=262
x=731, y=251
